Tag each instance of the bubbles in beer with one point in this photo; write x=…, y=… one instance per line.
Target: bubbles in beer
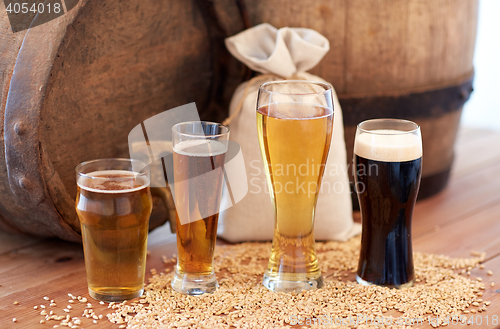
x=388, y=145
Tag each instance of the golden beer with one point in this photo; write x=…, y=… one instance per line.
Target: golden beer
x=199, y=150
x=114, y=208
x=295, y=125
x=296, y=147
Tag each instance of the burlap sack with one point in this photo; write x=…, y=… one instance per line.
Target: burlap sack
x=282, y=54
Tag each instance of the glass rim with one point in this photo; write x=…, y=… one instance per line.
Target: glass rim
x=143, y=172
x=416, y=127
x=197, y=135
x=328, y=87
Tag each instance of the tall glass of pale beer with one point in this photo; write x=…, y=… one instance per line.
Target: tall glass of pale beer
x=114, y=203
x=199, y=150
x=388, y=164
x=295, y=125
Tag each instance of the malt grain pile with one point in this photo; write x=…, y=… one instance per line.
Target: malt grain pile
x=442, y=288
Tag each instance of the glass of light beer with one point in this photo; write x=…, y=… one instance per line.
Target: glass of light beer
x=388, y=162
x=295, y=125
x=114, y=203
x=199, y=150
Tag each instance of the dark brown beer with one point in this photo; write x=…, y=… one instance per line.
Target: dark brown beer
x=198, y=175
x=114, y=208
x=387, y=191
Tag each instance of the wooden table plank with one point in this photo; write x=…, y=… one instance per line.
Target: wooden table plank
x=57, y=290
x=464, y=196
x=11, y=241
x=28, y=267
x=479, y=232
x=69, y=279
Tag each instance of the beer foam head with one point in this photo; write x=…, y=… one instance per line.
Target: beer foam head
x=112, y=181
x=295, y=111
x=200, y=147
x=388, y=146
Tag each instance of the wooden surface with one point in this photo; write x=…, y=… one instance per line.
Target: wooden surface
x=382, y=46
x=83, y=81
x=464, y=217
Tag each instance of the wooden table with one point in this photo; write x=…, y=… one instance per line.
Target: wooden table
x=462, y=218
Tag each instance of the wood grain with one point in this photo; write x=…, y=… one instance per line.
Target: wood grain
x=111, y=77
x=473, y=184
x=78, y=90
x=477, y=232
x=59, y=259
x=9, y=46
x=383, y=46
x=463, y=197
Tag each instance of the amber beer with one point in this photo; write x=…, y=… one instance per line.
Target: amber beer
x=196, y=239
x=388, y=169
x=294, y=141
x=199, y=150
x=114, y=208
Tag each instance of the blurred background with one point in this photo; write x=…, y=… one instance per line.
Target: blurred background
x=483, y=108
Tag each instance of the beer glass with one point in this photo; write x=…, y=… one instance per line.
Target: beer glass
x=295, y=125
x=388, y=162
x=114, y=203
x=199, y=150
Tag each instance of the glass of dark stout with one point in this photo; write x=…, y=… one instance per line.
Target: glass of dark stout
x=114, y=203
x=388, y=162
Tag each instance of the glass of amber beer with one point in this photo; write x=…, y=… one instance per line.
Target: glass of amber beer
x=199, y=150
x=114, y=203
x=295, y=125
x=388, y=162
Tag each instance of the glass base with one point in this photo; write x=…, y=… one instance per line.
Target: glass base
x=291, y=282
x=115, y=296
x=366, y=283
x=194, y=284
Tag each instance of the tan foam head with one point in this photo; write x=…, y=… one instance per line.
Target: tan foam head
x=388, y=146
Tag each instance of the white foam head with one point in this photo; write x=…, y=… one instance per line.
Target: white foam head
x=99, y=181
x=200, y=147
x=388, y=145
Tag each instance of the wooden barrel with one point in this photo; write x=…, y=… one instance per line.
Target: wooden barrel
x=409, y=59
x=73, y=88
